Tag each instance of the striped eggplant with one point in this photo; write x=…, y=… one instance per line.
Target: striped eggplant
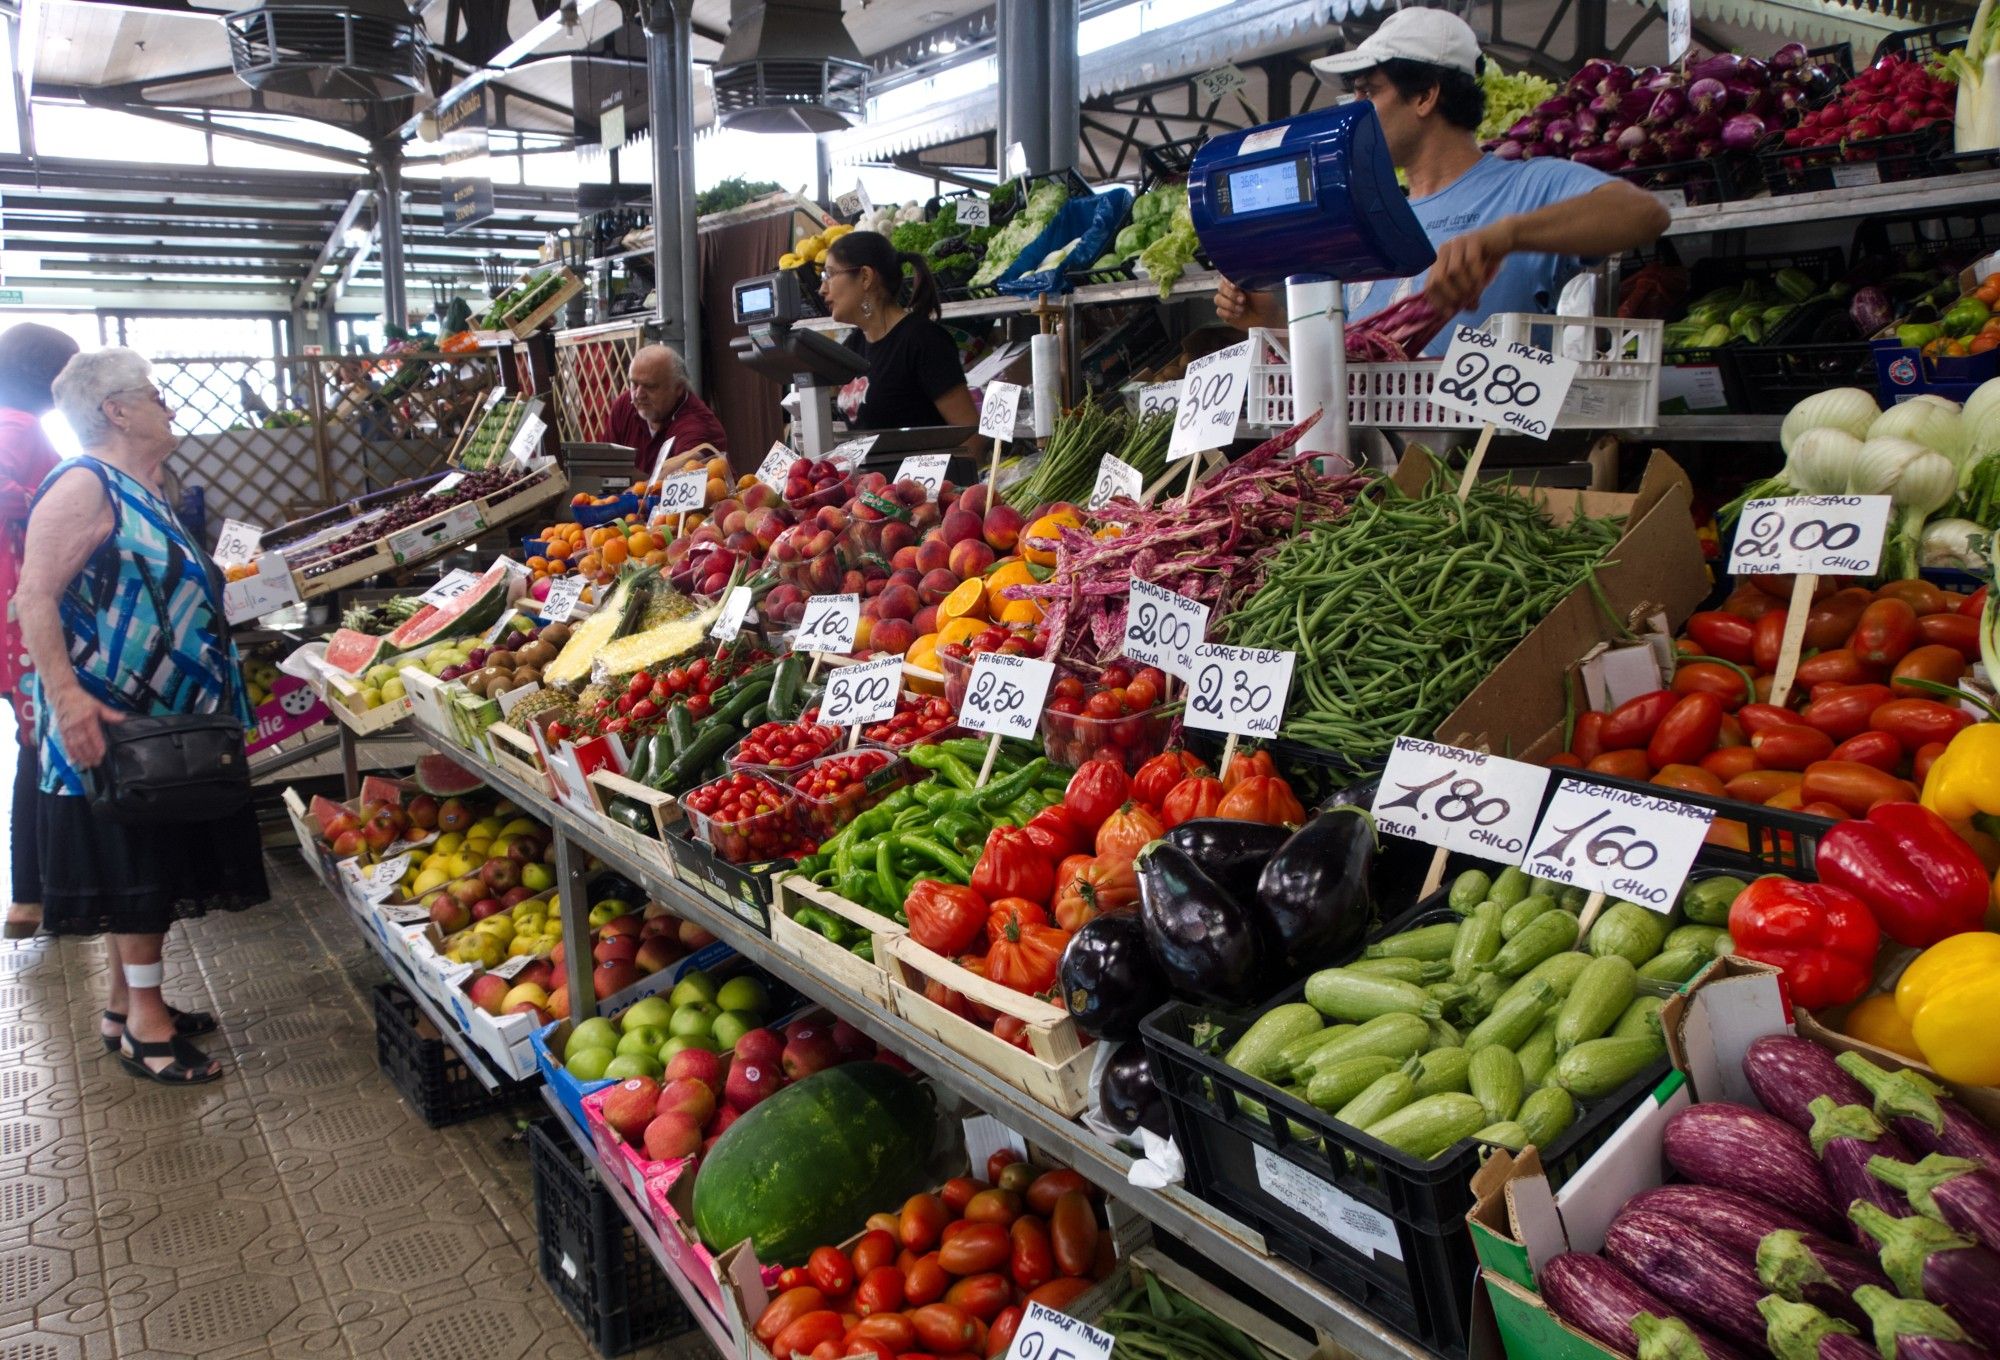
x=1672, y=1338
x=1799, y=1331
x=1956, y=1192
x=1787, y=1072
x=1845, y=1137
x=1597, y=1298
x=1926, y=1260
x=1923, y=1114
x=1735, y=1220
x=1911, y=1329
x=1681, y=1264
x=1738, y=1148
x=1807, y=1268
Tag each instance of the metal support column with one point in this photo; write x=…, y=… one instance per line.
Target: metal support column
x=389, y=223
x=1022, y=40
x=823, y=170
x=676, y=250
x=573, y=887
x=1065, y=98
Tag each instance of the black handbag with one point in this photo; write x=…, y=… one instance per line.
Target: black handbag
x=176, y=768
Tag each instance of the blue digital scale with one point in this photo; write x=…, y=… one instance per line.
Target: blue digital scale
x=1311, y=202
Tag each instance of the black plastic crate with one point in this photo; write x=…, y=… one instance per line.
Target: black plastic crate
x=430, y=1075
x=1719, y=179
x=1169, y=162
x=1316, y=1189
x=1924, y=42
x=1845, y=165
x=591, y=1259
x=1770, y=379
x=1779, y=841
x=1824, y=265
x=743, y=890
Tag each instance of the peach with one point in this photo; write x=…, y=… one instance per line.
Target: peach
x=851, y=581
x=1003, y=526
x=759, y=497
x=898, y=602
x=904, y=558
x=933, y=553
x=906, y=576
x=896, y=536
x=831, y=518
x=892, y=635
x=926, y=620
x=733, y=523
x=936, y=585
x=974, y=499
x=969, y=559
x=871, y=481
x=960, y=525
x=926, y=517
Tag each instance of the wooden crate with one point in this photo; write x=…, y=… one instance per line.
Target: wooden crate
x=525, y=326
x=819, y=954
x=1054, y=1070
x=514, y=752
x=655, y=849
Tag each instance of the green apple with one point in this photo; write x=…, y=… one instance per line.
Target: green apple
x=392, y=689
x=696, y=986
x=379, y=675
x=681, y=1041
x=653, y=1011
x=596, y=1032
x=743, y=993
x=697, y=1017
x=642, y=1039
x=589, y=1064
x=537, y=878
x=634, y=1065
x=733, y=1025
x=608, y=910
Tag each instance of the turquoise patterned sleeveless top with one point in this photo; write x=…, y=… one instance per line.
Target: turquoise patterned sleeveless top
x=144, y=622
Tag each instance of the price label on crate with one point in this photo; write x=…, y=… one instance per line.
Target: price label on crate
x=828, y=624
x=771, y=472
x=565, y=593
x=1239, y=689
x=1513, y=387
x=381, y=879
x=863, y=693
x=1115, y=478
x=1045, y=1334
x=527, y=440
x=998, y=409
x=445, y=484
x=452, y=585
x=1004, y=694
x=974, y=212
x=1621, y=843
x=1211, y=399
x=461, y=521
x=735, y=609
x=406, y=916
x=927, y=469
x=253, y=597
x=1162, y=628
x=237, y=543
x=1460, y=800
x=1856, y=174
x=683, y=493
x=1680, y=27
x=1159, y=399
x=1825, y=535
x=1223, y=80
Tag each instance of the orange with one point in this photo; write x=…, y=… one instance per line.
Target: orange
x=1048, y=527
x=923, y=653
x=1021, y=611
x=1011, y=571
x=967, y=601
x=960, y=630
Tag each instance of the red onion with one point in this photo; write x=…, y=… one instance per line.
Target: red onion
x=1706, y=94
x=1743, y=132
x=1600, y=157
x=1668, y=106
x=1560, y=132
x=1528, y=129
x=1510, y=151
x=1631, y=139
x=1555, y=106
x=1789, y=57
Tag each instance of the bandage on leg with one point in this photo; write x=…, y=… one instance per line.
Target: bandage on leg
x=147, y=975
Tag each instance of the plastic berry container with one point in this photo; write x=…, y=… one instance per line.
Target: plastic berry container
x=1072, y=738
x=774, y=834
x=881, y=735
x=822, y=816
x=825, y=737
x=835, y=493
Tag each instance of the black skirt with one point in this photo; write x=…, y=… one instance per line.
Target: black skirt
x=102, y=878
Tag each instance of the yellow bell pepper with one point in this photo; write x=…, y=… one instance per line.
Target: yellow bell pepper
x=1965, y=781
x=1949, y=996
x=1875, y=1020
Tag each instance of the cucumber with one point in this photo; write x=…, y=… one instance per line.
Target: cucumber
x=1516, y=918
x=1399, y=1036
x=1344, y=1081
x=1641, y=1019
x=1699, y=937
x=1597, y=1067
x=1676, y=966
x=1514, y=1018
x=1505, y=1132
x=1426, y=1127
x=1256, y=1053
x=1425, y=942
x=1546, y=1112
x=1549, y=934
x=1403, y=970
x=1381, y=1098
x=1630, y=931
x=1560, y=972
x=1602, y=992
x=1510, y=887
x=1573, y=898
x=1440, y=1070
x=1478, y=941
x=1342, y=995
x=1293, y=1054
x=1537, y=1053
x=1468, y=890
x=1493, y=1077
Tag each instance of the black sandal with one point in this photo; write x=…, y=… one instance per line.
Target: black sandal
x=187, y=1025
x=185, y=1070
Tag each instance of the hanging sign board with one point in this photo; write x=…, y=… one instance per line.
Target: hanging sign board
x=467, y=182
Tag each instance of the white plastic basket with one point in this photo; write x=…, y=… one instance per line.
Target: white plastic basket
x=1617, y=384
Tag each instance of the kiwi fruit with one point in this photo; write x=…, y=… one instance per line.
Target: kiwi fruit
x=555, y=635
x=524, y=675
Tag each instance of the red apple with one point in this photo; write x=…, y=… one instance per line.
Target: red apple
x=687, y=1096
x=696, y=1064
x=852, y=1043
x=672, y=1136
x=655, y=954
x=808, y=1052
x=628, y=1107
x=760, y=1046
x=617, y=949
x=608, y=979
x=621, y=925
x=693, y=937
x=485, y=907
x=725, y=1115
x=559, y=1004
x=542, y=976
x=449, y=914
x=487, y=991
x=750, y=1083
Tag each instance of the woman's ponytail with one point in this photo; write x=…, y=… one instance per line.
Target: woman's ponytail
x=869, y=249
x=923, y=285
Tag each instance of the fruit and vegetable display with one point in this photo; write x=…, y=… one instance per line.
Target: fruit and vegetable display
x=520, y=302
x=1020, y=231
x=340, y=544
x=1068, y=468
x=1895, y=96
x=493, y=435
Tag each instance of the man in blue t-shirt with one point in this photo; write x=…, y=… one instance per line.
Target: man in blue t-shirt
x=1508, y=234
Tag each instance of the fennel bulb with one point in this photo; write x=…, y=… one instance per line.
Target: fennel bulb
x=1954, y=543
x=1931, y=421
x=1848, y=409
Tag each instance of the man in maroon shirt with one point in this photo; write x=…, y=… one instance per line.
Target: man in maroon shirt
x=659, y=406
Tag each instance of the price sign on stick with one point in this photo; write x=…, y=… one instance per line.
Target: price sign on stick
x=237, y=543
x=974, y=212
x=1116, y=477
x=735, y=608
x=1460, y=800
x=1159, y=399
x=1211, y=399
x=771, y=472
x=1045, y=1334
x=1239, y=690
x=1162, y=628
x=828, y=624
x=1223, y=80
x=1505, y=385
x=1807, y=535
x=1617, y=842
x=997, y=412
x=863, y=693
x=565, y=593
x=1004, y=694
x=926, y=469
x=683, y=493
x=850, y=452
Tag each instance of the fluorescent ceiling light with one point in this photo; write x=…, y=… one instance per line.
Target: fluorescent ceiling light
x=354, y=238
x=529, y=43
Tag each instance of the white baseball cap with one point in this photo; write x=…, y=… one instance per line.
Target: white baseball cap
x=1434, y=36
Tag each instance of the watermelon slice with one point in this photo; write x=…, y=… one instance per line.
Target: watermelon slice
x=325, y=811
x=472, y=611
x=443, y=777
x=352, y=653
x=376, y=789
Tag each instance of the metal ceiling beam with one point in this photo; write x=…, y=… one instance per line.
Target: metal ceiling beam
x=170, y=271
x=179, y=181
x=141, y=232
x=163, y=255
x=176, y=116
x=335, y=243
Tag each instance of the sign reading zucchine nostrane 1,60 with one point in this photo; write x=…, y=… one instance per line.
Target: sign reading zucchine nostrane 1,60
x=1516, y=388
x=1824, y=535
x=1239, y=689
x=1460, y=800
x=1618, y=842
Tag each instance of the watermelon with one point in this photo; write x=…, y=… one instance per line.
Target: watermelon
x=443, y=777
x=352, y=653
x=326, y=812
x=377, y=791
x=473, y=611
x=808, y=1165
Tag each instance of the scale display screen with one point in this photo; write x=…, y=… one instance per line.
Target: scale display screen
x=755, y=301
x=1281, y=184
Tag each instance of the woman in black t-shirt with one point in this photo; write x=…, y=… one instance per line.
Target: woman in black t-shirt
x=914, y=375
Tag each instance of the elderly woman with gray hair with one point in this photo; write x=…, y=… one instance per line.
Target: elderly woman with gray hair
x=122, y=612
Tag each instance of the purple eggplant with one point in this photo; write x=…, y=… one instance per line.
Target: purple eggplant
x=1807, y=1268
x=1911, y=1329
x=1734, y=1220
x=1673, y=1338
x=1681, y=1264
x=1597, y=1298
x=1738, y=1148
x=1957, y=1192
x=1926, y=1260
x=1527, y=129
x=1787, y=1072
x=1870, y=310
x=1845, y=1137
x=1799, y=1331
x=1667, y=106
x=1923, y=1114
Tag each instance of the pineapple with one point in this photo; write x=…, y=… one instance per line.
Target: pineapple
x=572, y=664
x=683, y=630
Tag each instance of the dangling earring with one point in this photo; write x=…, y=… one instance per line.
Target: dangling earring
x=867, y=307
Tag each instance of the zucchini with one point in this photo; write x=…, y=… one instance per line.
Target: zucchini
x=1547, y=935
x=1640, y=1020
x=1293, y=1055
x=1560, y=972
x=1426, y=1127
x=1484, y=995
x=1515, y=1017
x=1381, y=1098
x=1342, y=995
x=1343, y=1081
x=1601, y=994
x=1256, y=1053
x=1506, y=1133
x=641, y=763
x=1706, y=901
x=1510, y=887
x=1630, y=931
x=1444, y=1034
x=1493, y=1077
x=1537, y=1053
x=1516, y=918
x=1478, y=941
x=680, y=728
x=1425, y=942
x=1597, y=1067
x=1676, y=966
x=1415, y=971
x=1440, y=1070
x=1468, y=890
x=711, y=743
x=1546, y=1112
x=1699, y=937
x=1399, y=1036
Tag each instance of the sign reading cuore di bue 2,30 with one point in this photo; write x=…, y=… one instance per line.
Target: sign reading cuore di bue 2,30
x=1461, y=800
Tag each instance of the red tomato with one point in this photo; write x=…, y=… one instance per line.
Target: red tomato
x=1844, y=712
x=943, y=1327
x=885, y=1325
x=1919, y=722
x=1630, y=725
x=1887, y=629
x=956, y=1194
x=994, y=1206
x=1926, y=756
x=787, y=1308
x=1879, y=749
x=1761, y=786
x=925, y=1281
x=922, y=1222
x=1960, y=632
x=832, y=1273
x=1720, y=634
x=1838, y=666
x=1756, y=718
x=1000, y=1331
x=1706, y=677
x=875, y=1250
x=1155, y=779
x=984, y=1295
x=1195, y=796
x=1691, y=779
x=1767, y=640
x=1587, y=742
x=1094, y=792
x=1790, y=748
x=1052, y=1185
x=1853, y=787
x=1032, y=1261
x=811, y=1331
x=1623, y=764
x=1932, y=662
x=998, y=1162
x=1729, y=761
x=1687, y=732
x=1073, y=1233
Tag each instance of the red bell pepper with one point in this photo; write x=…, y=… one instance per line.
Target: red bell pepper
x=1687, y=732
x=1904, y=861
x=1094, y=792
x=1012, y=865
x=1055, y=831
x=1630, y=726
x=1821, y=936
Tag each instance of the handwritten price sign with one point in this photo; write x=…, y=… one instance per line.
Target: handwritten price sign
x=683, y=492
x=1824, y=535
x=974, y=212
x=828, y=624
x=1159, y=399
x=926, y=469
x=238, y=542
x=1511, y=386
x=1162, y=628
x=565, y=592
x=1046, y=1334
x=1460, y=800
x=1115, y=478
x=1624, y=844
x=1239, y=689
x=864, y=693
x=735, y=609
x=1211, y=400
x=998, y=411
x=771, y=472
x=1004, y=694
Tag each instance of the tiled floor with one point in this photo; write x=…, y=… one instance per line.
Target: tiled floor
x=295, y=1208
